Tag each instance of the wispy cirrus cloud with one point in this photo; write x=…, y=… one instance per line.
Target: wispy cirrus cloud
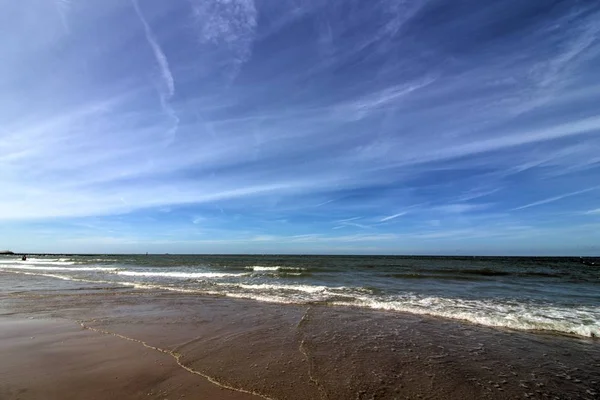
x=514, y=139
x=229, y=25
x=384, y=99
x=582, y=37
x=477, y=193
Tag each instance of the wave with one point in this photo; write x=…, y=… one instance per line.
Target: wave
x=529, y=316
x=288, y=274
x=100, y=260
x=181, y=275
x=51, y=268
x=415, y=275
x=583, y=321
x=297, y=288
x=136, y=285
x=472, y=274
x=263, y=298
x=37, y=261
x=62, y=277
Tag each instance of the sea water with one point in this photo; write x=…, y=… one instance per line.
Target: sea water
x=559, y=295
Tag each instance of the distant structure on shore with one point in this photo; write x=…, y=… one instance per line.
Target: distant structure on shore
x=6, y=252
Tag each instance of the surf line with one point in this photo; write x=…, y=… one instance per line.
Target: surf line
x=177, y=357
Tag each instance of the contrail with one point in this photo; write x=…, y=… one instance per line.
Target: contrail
x=163, y=63
x=62, y=7
x=556, y=198
x=392, y=217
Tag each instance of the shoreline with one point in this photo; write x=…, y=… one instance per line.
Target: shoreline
x=312, y=351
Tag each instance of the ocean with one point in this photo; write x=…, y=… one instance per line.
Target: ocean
x=557, y=295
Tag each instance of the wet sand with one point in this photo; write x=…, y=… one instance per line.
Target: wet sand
x=56, y=359
x=215, y=347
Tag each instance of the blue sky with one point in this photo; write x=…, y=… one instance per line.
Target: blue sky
x=300, y=126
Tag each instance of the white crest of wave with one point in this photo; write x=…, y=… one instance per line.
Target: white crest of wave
x=298, y=288
x=260, y=268
x=174, y=274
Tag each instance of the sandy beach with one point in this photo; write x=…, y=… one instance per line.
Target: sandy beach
x=101, y=341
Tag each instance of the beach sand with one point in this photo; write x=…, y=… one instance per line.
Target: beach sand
x=93, y=341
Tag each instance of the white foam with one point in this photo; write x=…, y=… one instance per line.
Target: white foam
x=260, y=268
x=517, y=316
x=263, y=298
x=181, y=275
x=298, y=288
x=62, y=277
x=37, y=261
x=50, y=268
x=136, y=285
